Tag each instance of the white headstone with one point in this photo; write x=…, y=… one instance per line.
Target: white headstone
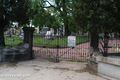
x=21, y=36
x=38, y=29
x=48, y=33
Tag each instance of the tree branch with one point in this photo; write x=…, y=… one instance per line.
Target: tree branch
x=49, y=4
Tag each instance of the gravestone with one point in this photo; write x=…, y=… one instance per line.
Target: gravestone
x=63, y=27
x=8, y=34
x=52, y=31
x=11, y=31
x=50, y=34
x=44, y=31
x=73, y=34
x=85, y=34
x=59, y=32
x=11, y=40
x=37, y=29
x=80, y=33
x=21, y=36
x=101, y=34
x=14, y=30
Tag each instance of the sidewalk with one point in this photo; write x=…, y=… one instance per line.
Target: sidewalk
x=39, y=69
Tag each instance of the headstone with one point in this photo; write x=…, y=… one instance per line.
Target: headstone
x=12, y=40
x=80, y=33
x=101, y=34
x=8, y=34
x=59, y=32
x=112, y=34
x=85, y=34
x=73, y=34
x=38, y=29
x=52, y=31
x=44, y=31
x=11, y=31
x=21, y=36
x=49, y=35
x=63, y=27
x=14, y=30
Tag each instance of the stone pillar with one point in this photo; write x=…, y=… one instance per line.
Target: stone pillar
x=93, y=58
x=28, y=38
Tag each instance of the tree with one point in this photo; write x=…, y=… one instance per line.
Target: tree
x=13, y=11
x=44, y=16
x=61, y=7
x=96, y=16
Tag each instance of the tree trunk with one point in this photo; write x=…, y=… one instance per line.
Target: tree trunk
x=65, y=18
x=66, y=30
x=2, y=42
x=94, y=41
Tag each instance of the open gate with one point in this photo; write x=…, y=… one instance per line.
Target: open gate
x=59, y=48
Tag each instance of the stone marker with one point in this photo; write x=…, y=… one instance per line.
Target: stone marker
x=8, y=34
x=21, y=36
x=12, y=40
x=59, y=32
x=44, y=31
x=73, y=34
x=49, y=35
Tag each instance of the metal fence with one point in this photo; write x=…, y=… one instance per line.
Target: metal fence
x=110, y=46
x=60, y=49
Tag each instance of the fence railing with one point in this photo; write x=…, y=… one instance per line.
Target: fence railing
x=63, y=41
x=58, y=48
x=110, y=46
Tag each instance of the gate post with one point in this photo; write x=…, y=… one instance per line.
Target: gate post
x=28, y=38
x=105, y=45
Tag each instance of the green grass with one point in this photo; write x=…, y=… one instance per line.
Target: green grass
x=81, y=56
x=15, y=42
x=51, y=59
x=39, y=40
x=76, y=60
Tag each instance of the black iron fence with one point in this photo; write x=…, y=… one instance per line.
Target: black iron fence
x=72, y=48
x=110, y=46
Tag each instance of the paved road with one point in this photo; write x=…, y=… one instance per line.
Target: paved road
x=39, y=69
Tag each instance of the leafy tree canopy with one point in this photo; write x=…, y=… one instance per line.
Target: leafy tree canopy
x=97, y=16
x=61, y=10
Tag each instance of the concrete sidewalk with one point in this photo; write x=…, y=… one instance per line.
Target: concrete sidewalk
x=39, y=69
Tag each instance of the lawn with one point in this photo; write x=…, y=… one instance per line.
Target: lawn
x=39, y=40
x=12, y=43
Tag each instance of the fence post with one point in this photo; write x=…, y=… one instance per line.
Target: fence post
x=105, y=45
x=28, y=38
